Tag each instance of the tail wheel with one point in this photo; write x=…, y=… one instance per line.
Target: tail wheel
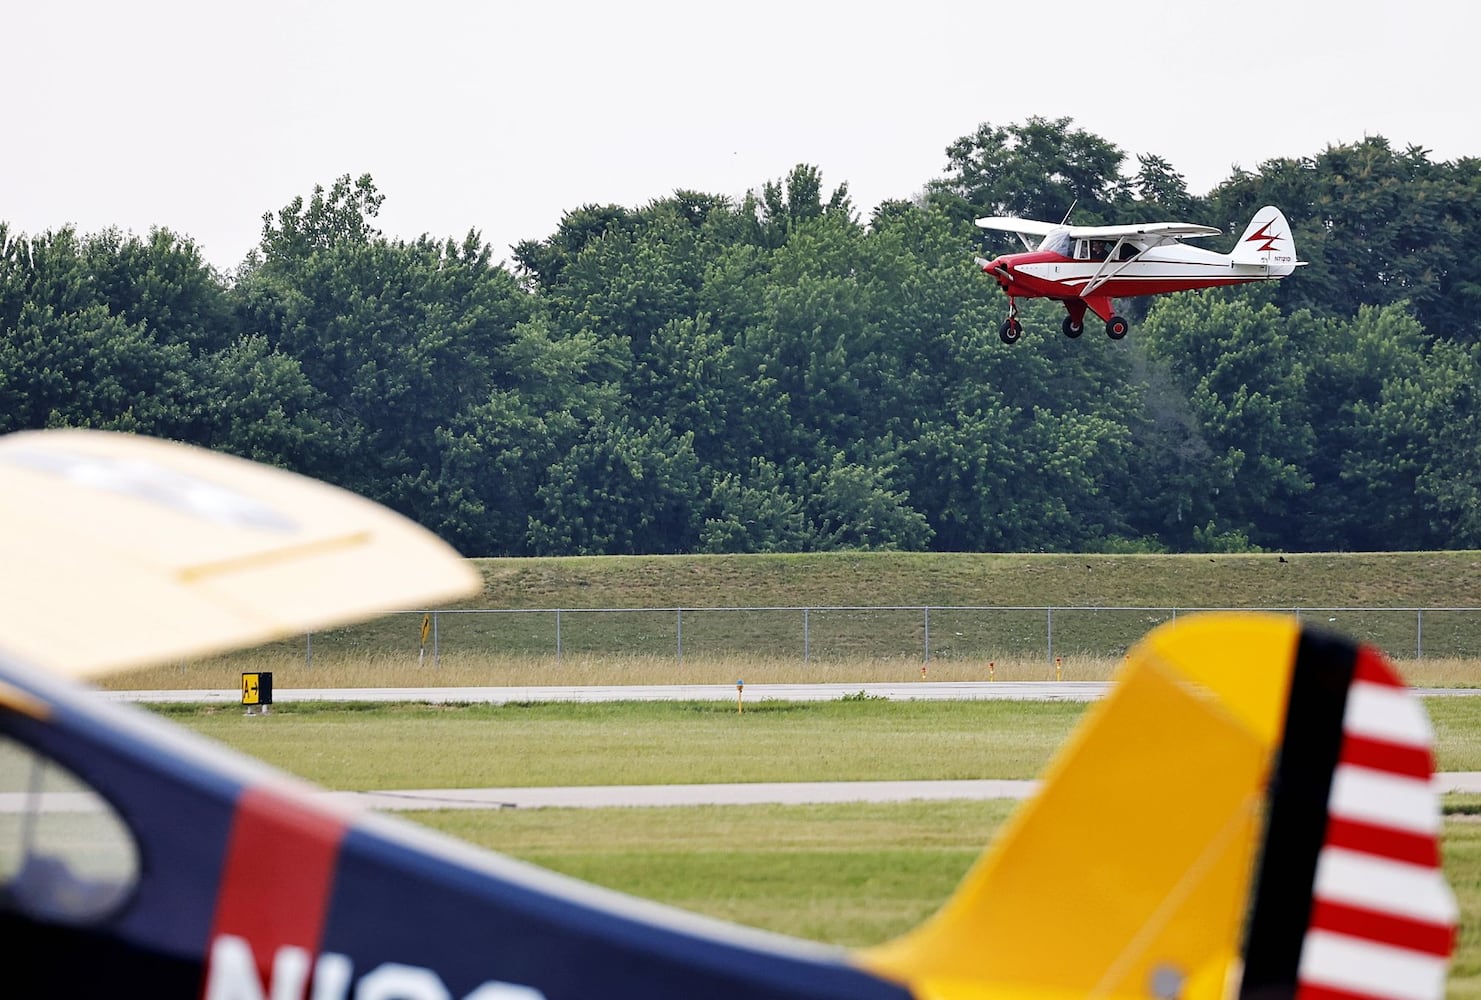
x=1010, y=331
x=1071, y=328
x=1116, y=327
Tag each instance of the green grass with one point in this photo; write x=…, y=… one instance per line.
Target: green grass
x=369, y=747
x=517, y=588
x=852, y=874
x=946, y=579
x=470, y=746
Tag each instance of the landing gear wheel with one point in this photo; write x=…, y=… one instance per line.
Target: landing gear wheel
x=1071, y=328
x=1010, y=331
x=1116, y=327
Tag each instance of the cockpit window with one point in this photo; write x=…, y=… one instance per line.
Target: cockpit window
x=1057, y=241
x=65, y=855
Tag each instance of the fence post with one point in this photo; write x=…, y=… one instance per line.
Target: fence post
x=679, y=632
x=1049, y=630
x=928, y=635
x=308, y=650
x=806, y=638
x=557, y=635
x=436, y=645
x=1419, y=633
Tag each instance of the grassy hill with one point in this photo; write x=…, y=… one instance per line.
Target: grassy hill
x=870, y=606
x=1385, y=579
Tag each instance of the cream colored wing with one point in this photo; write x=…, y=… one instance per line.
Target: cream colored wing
x=118, y=550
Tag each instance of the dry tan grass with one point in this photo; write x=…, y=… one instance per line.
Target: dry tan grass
x=291, y=670
x=470, y=670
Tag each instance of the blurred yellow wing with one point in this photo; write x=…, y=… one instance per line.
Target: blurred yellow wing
x=139, y=551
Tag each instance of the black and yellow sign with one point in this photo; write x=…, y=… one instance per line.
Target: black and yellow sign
x=257, y=688
x=426, y=628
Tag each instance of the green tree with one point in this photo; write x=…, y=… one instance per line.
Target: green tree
x=1246, y=385
x=70, y=360
x=756, y=511
x=621, y=491
x=1036, y=170
x=401, y=339
x=1421, y=472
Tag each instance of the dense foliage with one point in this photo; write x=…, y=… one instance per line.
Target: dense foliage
x=777, y=374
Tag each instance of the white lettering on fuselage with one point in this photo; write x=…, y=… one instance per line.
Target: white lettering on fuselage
x=231, y=974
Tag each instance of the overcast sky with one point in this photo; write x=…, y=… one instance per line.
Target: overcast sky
x=500, y=117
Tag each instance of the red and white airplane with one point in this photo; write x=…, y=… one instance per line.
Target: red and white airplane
x=1086, y=267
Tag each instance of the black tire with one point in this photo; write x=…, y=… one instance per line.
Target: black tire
x=1070, y=329
x=1116, y=327
x=1010, y=331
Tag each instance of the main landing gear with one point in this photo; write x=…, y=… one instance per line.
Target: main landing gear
x=1072, y=326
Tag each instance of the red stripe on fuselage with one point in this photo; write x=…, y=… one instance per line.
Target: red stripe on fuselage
x=280, y=862
x=1021, y=284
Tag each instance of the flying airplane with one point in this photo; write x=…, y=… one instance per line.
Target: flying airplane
x=1086, y=267
x=1249, y=812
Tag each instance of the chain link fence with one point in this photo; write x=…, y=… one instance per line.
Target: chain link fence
x=824, y=633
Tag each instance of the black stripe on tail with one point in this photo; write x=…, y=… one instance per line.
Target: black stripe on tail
x=1296, y=823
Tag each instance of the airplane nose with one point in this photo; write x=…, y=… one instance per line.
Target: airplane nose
x=999, y=269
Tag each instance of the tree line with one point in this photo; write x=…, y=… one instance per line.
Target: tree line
x=775, y=373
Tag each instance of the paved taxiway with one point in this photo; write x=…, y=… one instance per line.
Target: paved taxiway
x=608, y=796
x=914, y=691
x=909, y=691
x=758, y=793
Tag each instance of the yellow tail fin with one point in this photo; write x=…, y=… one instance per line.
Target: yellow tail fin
x=1137, y=870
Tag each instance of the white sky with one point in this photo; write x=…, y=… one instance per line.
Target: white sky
x=200, y=117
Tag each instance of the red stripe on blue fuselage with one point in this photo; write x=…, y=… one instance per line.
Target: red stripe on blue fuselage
x=279, y=870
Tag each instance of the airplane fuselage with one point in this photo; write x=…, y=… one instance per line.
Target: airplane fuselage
x=1046, y=274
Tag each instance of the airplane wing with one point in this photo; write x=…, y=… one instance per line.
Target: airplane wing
x=1008, y=224
x=139, y=551
x=1165, y=232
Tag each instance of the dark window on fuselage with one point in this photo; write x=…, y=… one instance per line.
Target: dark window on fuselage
x=65, y=855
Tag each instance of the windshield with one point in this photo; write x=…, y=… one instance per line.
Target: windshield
x=1058, y=241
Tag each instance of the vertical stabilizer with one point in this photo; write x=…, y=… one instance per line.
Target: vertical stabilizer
x=1267, y=242
x=1249, y=812
x=1350, y=897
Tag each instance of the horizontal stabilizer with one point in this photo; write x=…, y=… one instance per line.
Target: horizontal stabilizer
x=141, y=551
